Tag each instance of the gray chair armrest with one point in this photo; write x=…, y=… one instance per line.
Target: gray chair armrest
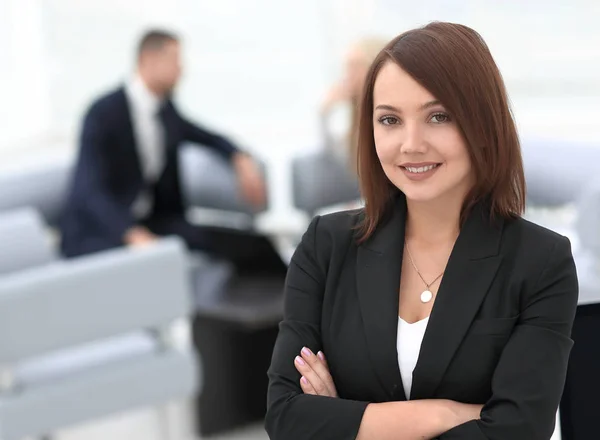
x=42, y=185
x=557, y=171
x=69, y=361
x=320, y=180
x=24, y=240
x=588, y=218
x=77, y=301
x=587, y=257
x=208, y=181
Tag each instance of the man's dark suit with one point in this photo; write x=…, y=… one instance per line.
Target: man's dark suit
x=499, y=332
x=108, y=178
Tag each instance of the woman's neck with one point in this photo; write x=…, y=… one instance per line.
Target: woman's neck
x=432, y=224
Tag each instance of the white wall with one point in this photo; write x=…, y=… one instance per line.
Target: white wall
x=253, y=69
x=24, y=99
x=548, y=52
x=258, y=69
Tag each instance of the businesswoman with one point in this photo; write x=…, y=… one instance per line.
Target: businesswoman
x=436, y=311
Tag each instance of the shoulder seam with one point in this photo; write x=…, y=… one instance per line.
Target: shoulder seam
x=547, y=263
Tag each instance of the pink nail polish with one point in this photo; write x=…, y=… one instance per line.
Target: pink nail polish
x=300, y=361
x=321, y=355
x=306, y=351
x=304, y=380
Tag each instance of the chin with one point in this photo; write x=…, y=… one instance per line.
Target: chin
x=421, y=197
x=433, y=194
x=424, y=193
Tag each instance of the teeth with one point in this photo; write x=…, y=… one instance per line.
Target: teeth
x=421, y=169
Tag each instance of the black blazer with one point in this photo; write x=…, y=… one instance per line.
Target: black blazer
x=108, y=176
x=498, y=334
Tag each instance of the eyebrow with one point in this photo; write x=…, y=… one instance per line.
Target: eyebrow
x=397, y=110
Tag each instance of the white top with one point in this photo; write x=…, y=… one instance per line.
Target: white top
x=149, y=136
x=410, y=337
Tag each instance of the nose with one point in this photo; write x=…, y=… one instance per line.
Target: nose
x=413, y=140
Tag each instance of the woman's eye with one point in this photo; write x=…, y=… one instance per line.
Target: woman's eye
x=388, y=120
x=440, y=118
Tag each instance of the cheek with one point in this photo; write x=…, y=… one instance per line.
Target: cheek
x=450, y=145
x=460, y=161
x=461, y=156
x=385, y=146
x=162, y=71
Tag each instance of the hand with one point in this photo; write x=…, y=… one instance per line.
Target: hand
x=250, y=179
x=139, y=236
x=316, y=379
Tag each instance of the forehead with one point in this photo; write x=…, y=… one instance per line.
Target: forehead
x=171, y=47
x=168, y=49
x=393, y=86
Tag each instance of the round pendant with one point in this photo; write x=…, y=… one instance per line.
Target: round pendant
x=426, y=296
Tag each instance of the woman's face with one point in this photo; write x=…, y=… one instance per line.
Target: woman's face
x=419, y=145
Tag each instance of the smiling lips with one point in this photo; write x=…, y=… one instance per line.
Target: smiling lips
x=419, y=171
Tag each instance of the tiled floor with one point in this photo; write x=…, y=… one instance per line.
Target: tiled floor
x=148, y=424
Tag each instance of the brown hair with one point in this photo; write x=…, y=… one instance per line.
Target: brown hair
x=455, y=65
x=154, y=40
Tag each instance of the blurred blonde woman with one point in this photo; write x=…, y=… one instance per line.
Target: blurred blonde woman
x=345, y=95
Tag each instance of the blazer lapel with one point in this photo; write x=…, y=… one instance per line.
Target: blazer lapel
x=469, y=273
x=379, y=261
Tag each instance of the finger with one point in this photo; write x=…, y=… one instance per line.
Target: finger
x=317, y=362
x=329, y=379
x=306, y=386
x=321, y=356
x=317, y=383
x=320, y=368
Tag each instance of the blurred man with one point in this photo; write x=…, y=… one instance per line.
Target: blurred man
x=126, y=184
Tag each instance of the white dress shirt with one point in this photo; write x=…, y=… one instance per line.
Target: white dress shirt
x=150, y=139
x=410, y=338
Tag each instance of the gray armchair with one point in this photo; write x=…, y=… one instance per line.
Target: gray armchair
x=320, y=180
x=588, y=231
x=208, y=181
x=41, y=185
x=23, y=240
x=557, y=171
x=86, y=338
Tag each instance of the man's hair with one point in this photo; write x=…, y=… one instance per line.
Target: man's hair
x=155, y=39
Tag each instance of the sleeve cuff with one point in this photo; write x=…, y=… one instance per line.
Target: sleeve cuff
x=466, y=431
x=318, y=417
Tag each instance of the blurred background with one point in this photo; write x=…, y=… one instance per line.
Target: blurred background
x=259, y=72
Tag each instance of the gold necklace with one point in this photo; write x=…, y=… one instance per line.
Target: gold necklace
x=426, y=295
